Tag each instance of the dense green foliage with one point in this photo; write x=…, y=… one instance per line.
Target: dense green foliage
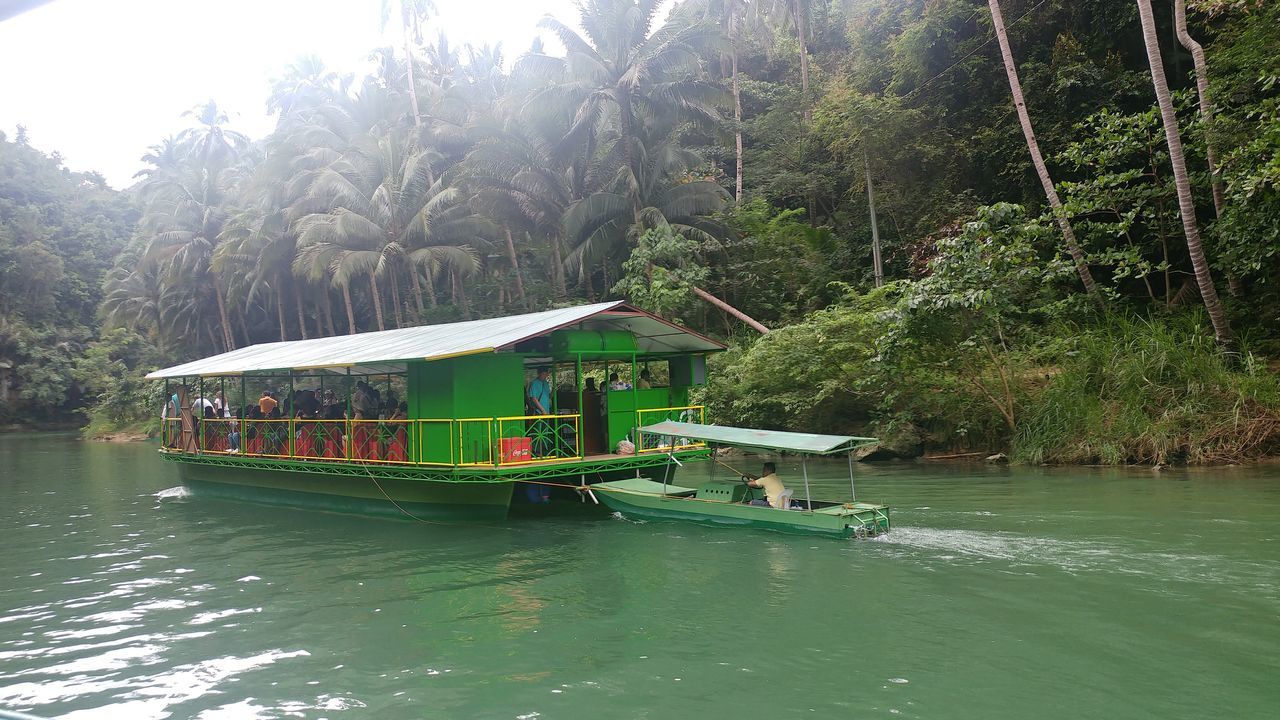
x=446, y=185
x=59, y=234
x=1136, y=391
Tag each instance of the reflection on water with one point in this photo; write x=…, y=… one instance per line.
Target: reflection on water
x=1001, y=593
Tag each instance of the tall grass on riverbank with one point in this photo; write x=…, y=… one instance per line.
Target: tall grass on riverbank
x=1152, y=392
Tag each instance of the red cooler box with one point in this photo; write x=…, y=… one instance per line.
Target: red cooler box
x=516, y=450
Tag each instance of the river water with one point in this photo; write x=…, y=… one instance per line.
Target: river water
x=1001, y=593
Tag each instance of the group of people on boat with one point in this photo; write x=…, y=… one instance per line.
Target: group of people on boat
x=320, y=427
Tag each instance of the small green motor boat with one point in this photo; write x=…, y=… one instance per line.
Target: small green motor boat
x=729, y=503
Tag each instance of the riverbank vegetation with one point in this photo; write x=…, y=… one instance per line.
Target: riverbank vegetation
x=1062, y=310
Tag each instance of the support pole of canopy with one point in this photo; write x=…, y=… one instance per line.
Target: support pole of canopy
x=804, y=468
x=853, y=491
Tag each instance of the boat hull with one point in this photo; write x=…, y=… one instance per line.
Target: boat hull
x=388, y=497
x=845, y=522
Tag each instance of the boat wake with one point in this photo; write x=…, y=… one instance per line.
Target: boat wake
x=1027, y=553
x=173, y=493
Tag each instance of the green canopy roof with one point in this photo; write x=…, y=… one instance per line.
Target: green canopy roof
x=763, y=439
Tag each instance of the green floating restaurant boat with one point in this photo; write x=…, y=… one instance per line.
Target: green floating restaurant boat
x=439, y=422
x=435, y=422
x=721, y=502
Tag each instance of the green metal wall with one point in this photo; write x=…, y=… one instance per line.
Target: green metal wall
x=474, y=386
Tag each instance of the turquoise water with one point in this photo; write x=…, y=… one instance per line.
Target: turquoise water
x=1002, y=593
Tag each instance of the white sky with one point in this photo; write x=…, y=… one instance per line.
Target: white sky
x=101, y=80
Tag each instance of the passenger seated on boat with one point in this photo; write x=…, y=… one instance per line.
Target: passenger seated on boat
x=773, y=487
x=617, y=383
x=646, y=380
x=267, y=402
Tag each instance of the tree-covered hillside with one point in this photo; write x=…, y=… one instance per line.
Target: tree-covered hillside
x=59, y=234
x=726, y=150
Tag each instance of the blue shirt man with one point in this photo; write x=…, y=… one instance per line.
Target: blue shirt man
x=540, y=393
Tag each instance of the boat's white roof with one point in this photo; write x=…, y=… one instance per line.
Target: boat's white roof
x=388, y=350
x=761, y=439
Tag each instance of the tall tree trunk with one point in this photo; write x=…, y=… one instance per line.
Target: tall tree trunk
x=1206, y=116
x=297, y=303
x=877, y=268
x=429, y=277
x=408, y=59
x=1186, y=203
x=351, y=313
x=515, y=262
x=328, y=315
x=395, y=300
x=460, y=295
x=557, y=275
x=377, y=300
x=280, y=314
x=218, y=292
x=417, y=292
x=244, y=332
x=626, y=122
x=737, y=104
x=1202, y=91
x=1059, y=213
x=802, y=32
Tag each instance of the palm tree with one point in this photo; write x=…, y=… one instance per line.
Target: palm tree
x=793, y=16
x=212, y=143
x=1186, y=203
x=1059, y=213
x=184, y=216
x=622, y=71
x=306, y=83
x=381, y=214
x=602, y=225
x=516, y=177
x=413, y=13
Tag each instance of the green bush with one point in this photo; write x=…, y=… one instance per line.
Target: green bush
x=1152, y=392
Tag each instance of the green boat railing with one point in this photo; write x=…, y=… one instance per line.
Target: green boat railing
x=439, y=442
x=435, y=442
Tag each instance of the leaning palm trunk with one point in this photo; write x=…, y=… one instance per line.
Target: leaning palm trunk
x=429, y=276
x=1186, y=203
x=395, y=300
x=297, y=303
x=515, y=262
x=417, y=291
x=408, y=59
x=377, y=300
x=351, y=313
x=802, y=29
x=328, y=314
x=1206, y=116
x=1202, y=91
x=737, y=106
x=227, y=337
x=731, y=310
x=280, y=314
x=1059, y=213
x=557, y=259
x=460, y=295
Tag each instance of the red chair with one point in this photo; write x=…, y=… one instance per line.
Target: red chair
x=302, y=443
x=397, y=448
x=363, y=439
